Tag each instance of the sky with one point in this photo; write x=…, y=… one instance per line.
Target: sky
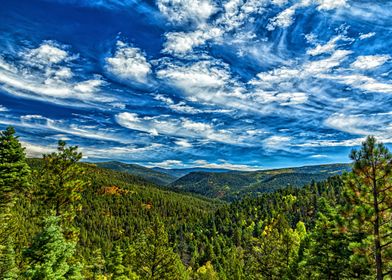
x=214, y=83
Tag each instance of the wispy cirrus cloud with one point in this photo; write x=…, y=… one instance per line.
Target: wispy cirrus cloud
x=43, y=73
x=249, y=82
x=165, y=125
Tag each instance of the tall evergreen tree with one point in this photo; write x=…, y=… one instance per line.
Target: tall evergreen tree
x=368, y=189
x=14, y=179
x=62, y=182
x=327, y=253
x=48, y=258
x=153, y=257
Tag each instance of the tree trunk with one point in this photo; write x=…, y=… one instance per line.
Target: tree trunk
x=376, y=232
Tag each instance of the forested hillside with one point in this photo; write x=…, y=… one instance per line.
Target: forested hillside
x=62, y=219
x=149, y=174
x=234, y=185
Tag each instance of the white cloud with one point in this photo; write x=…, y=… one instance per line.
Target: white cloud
x=286, y=18
x=279, y=2
x=279, y=84
x=223, y=164
x=234, y=15
x=37, y=150
x=182, y=107
x=365, y=62
x=128, y=64
x=165, y=125
x=63, y=127
x=378, y=125
x=276, y=142
x=283, y=19
x=367, y=35
x=89, y=86
x=209, y=83
x=327, y=64
x=123, y=152
x=333, y=143
x=284, y=98
x=319, y=156
x=44, y=73
x=329, y=47
x=3, y=109
x=183, y=143
x=34, y=150
x=47, y=53
x=184, y=11
x=363, y=83
x=4, y=65
x=180, y=43
x=201, y=75
x=349, y=123
x=170, y=163
x=331, y=4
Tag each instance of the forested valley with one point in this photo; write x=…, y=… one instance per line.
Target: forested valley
x=64, y=219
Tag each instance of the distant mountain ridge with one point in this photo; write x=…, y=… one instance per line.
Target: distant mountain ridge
x=229, y=184
x=149, y=174
x=179, y=172
x=234, y=184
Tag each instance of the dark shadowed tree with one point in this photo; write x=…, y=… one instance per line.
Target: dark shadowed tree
x=14, y=179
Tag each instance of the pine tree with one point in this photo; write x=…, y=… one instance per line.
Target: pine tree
x=154, y=258
x=327, y=254
x=117, y=268
x=10, y=270
x=62, y=182
x=368, y=190
x=273, y=251
x=49, y=256
x=14, y=179
x=97, y=265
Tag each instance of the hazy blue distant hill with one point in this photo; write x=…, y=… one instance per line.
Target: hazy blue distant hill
x=149, y=174
x=184, y=171
x=230, y=185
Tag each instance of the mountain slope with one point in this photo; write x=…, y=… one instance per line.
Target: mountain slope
x=230, y=185
x=179, y=172
x=149, y=174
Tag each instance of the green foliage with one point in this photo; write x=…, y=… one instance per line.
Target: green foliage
x=48, y=258
x=9, y=269
x=206, y=272
x=121, y=226
x=149, y=174
x=14, y=179
x=61, y=183
x=368, y=191
x=235, y=185
x=327, y=254
x=153, y=258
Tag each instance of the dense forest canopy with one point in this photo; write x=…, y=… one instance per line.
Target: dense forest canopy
x=62, y=219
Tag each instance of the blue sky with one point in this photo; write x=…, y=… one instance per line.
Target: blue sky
x=178, y=83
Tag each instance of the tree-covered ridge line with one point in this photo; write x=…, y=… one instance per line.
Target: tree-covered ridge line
x=64, y=220
x=235, y=185
x=227, y=184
